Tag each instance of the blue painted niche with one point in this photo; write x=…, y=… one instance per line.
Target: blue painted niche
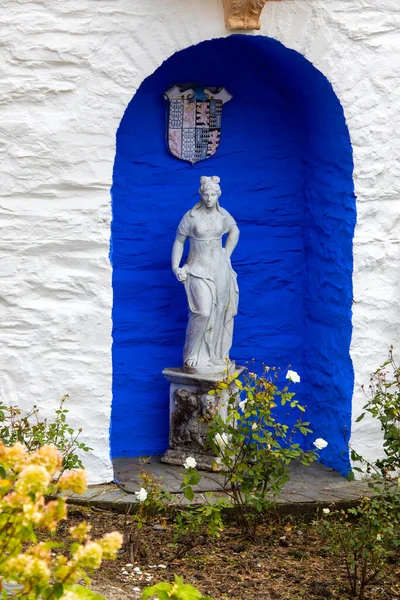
x=285, y=162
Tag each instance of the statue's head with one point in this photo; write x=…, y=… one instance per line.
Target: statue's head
x=208, y=184
x=210, y=190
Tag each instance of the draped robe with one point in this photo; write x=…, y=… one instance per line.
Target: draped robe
x=211, y=288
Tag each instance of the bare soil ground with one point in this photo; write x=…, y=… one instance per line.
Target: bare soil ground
x=288, y=562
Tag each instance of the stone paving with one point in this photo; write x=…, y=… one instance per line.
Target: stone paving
x=309, y=488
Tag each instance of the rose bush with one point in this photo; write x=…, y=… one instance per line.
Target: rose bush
x=41, y=574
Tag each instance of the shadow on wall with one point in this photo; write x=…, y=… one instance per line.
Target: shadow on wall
x=285, y=163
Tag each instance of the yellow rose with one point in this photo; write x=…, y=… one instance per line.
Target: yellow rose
x=33, y=479
x=76, y=481
x=111, y=543
x=89, y=556
x=48, y=457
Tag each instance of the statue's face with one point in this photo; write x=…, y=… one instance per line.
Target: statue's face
x=210, y=198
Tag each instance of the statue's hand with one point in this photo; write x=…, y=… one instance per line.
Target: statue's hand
x=181, y=274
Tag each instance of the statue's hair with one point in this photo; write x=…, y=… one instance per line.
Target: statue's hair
x=208, y=183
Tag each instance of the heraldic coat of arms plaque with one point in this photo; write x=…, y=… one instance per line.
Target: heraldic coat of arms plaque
x=194, y=121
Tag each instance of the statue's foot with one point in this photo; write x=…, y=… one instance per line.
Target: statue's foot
x=190, y=363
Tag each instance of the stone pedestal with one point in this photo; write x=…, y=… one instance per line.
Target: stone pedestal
x=190, y=406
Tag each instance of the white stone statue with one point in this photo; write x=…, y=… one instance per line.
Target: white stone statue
x=209, y=280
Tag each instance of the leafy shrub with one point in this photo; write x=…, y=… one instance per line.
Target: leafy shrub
x=153, y=501
x=34, y=432
x=383, y=403
x=42, y=575
x=365, y=537
x=255, y=449
x=195, y=525
x=205, y=519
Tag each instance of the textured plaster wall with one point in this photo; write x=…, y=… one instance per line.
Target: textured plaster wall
x=68, y=71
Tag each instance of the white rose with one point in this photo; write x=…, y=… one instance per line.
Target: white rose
x=320, y=444
x=222, y=440
x=326, y=511
x=218, y=440
x=242, y=404
x=190, y=463
x=293, y=376
x=141, y=495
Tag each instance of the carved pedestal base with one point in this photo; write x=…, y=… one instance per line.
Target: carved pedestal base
x=190, y=408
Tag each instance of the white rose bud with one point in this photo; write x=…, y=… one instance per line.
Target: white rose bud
x=141, y=495
x=190, y=463
x=320, y=444
x=293, y=376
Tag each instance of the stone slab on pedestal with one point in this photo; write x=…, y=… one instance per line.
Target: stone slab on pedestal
x=205, y=380
x=190, y=408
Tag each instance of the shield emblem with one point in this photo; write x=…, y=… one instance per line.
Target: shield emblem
x=194, y=121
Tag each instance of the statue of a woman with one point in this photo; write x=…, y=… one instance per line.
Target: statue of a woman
x=209, y=280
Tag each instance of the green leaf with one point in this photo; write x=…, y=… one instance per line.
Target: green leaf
x=350, y=476
x=83, y=592
x=58, y=589
x=194, y=478
x=360, y=418
x=161, y=589
x=51, y=545
x=188, y=493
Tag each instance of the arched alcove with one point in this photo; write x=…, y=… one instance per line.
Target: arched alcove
x=285, y=163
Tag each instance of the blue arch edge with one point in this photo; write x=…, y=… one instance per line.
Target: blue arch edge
x=285, y=162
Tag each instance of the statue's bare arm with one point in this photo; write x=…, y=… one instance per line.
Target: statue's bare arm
x=232, y=240
x=177, y=252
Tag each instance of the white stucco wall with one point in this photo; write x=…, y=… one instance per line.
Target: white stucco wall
x=68, y=71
